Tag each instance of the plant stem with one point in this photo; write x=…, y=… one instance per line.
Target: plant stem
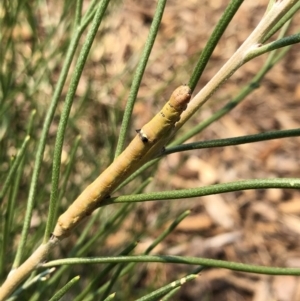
x=233, y=141
x=288, y=183
x=179, y=260
x=21, y=273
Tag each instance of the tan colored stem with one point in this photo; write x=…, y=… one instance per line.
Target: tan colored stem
x=17, y=276
x=238, y=59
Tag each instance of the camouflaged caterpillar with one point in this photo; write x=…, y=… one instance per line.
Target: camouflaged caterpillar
x=142, y=148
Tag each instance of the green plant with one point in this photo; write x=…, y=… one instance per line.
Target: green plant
x=36, y=72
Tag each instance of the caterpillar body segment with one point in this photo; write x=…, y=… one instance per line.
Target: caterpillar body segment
x=146, y=144
x=102, y=186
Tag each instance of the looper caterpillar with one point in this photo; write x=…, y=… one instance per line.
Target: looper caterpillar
x=146, y=144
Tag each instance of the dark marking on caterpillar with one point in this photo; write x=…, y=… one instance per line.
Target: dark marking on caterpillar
x=143, y=136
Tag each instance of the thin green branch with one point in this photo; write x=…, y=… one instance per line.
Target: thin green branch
x=89, y=12
x=286, y=41
x=112, y=281
x=67, y=172
x=66, y=111
x=9, y=224
x=64, y=289
x=179, y=260
x=233, y=141
x=153, y=296
x=287, y=183
x=138, y=172
x=110, y=297
x=170, y=294
x=78, y=12
x=30, y=123
x=166, y=232
x=13, y=168
x=137, y=78
x=217, y=33
x=286, y=18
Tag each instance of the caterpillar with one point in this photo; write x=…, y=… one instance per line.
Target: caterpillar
x=145, y=145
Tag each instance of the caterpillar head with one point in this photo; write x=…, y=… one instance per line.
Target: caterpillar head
x=180, y=98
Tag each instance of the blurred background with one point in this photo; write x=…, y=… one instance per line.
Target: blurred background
x=257, y=227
